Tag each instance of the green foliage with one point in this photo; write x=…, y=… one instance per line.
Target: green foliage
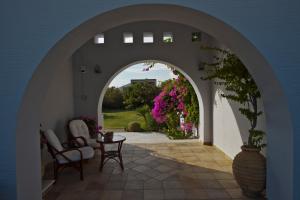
x=119, y=119
x=142, y=111
x=139, y=94
x=192, y=104
x=134, y=127
x=113, y=99
x=151, y=124
x=228, y=71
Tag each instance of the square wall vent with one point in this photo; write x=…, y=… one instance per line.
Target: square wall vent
x=148, y=37
x=168, y=37
x=128, y=38
x=99, y=38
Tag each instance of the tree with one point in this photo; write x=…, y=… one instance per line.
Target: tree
x=139, y=94
x=229, y=71
x=113, y=98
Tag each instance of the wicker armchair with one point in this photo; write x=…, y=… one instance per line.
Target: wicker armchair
x=63, y=156
x=80, y=133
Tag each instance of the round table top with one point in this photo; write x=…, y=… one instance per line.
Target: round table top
x=113, y=139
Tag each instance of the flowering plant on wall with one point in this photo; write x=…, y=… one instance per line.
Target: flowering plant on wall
x=92, y=125
x=228, y=71
x=177, y=99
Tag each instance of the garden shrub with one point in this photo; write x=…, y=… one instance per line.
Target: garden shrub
x=134, y=127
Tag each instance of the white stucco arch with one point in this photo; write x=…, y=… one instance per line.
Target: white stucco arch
x=280, y=171
x=196, y=89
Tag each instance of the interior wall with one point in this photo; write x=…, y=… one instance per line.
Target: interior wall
x=113, y=56
x=230, y=127
x=58, y=106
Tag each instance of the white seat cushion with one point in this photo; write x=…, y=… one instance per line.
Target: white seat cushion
x=79, y=128
x=53, y=140
x=93, y=143
x=74, y=155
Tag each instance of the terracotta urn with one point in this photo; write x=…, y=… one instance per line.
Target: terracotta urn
x=249, y=170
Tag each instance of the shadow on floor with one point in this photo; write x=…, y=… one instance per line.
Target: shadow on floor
x=153, y=171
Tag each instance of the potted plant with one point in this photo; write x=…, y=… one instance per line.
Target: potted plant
x=249, y=166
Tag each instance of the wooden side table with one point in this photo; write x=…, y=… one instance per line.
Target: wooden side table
x=111, y=154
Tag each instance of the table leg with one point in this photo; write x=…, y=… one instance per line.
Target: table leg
x=102, y=157
x=120, y=155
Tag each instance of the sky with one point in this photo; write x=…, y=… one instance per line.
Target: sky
x=160, y=72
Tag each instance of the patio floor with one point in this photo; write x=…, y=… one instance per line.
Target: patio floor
x=169, y=170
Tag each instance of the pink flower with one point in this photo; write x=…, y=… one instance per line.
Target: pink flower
x=188, y=127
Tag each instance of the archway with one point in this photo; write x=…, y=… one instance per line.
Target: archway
x=280, y=172
x=203, y=121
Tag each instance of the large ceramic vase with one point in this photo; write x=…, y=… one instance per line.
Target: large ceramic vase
x=249, y=170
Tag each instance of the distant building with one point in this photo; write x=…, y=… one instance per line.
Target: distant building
x=152, y=81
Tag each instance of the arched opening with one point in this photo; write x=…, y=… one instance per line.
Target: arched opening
x=280, y=171
x=201, y=124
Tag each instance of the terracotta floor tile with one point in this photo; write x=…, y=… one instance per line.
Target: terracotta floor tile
x=110, y=195
x=174, y=194
x=153, y=171
x=235, y=193
x=163, y=168
x=196, y=194
x=229, y=184
x=217, y=194
x=133, y=195
x=211, y=184
x=153, y=184
x=153, y=194
x=134, y=185
x=115, y=185
x=172, y=184
x=223, y=176
x=141, y=168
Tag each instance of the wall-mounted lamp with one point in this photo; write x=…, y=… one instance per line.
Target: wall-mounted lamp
x=97, y=69
x=83, y=69
x=196, y=37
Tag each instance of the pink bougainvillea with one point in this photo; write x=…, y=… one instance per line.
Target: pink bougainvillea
x=176, y=107
x=187, y=127
x=171, y=99
x=158, y=111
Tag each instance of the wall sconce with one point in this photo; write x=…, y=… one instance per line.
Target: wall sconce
x=97, y=69
x=83, y=69
x=196, y=37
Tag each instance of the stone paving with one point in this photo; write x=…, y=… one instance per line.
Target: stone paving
x=150, y=138
x=171, y=170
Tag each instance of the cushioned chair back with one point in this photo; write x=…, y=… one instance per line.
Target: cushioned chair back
x=53, y=140
x=79, y=128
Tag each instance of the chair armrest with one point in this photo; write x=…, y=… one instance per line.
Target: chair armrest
x=74, y=140
x=61, y=153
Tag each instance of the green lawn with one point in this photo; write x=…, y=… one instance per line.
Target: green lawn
x=119, y=119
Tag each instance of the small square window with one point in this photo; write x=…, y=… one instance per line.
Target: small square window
x=128, y=38
x=168, y=37
x=148, y=37
x=196, y=36
x=99, y=39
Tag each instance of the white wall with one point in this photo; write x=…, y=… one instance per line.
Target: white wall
x=230, y=128
x=114, y=55
x=58, y=106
